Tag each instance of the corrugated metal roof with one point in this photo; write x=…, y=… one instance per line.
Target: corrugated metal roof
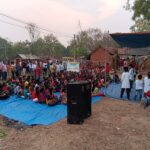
x=132, y=40
x=133, y=33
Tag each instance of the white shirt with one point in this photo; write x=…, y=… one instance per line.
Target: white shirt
x=146, y=84
x=131, y=72
x=125, y=78
x=4, y=68
x=57, y=68
x=30, y=65
x=33, y=66
x=61, y=67
x=44, y=65
x=139, y=84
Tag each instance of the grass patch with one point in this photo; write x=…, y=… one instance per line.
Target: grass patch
x=2, y=134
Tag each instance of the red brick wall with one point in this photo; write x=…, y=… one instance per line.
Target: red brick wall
x=100, y=55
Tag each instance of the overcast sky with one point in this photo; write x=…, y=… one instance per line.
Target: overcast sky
x=62, y=16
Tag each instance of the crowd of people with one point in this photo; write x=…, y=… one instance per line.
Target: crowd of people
x=39, y=80
x=142, y=84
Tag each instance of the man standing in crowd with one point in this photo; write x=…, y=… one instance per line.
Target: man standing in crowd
x=44, y=66
x=125, y=79
x=147, y=90
x=4, y=71
x=38, y=71
x=18, y=69
x=147, y=83
x=131, y=73
x=24, y=66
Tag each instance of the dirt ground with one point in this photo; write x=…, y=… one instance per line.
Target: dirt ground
x=114, y=125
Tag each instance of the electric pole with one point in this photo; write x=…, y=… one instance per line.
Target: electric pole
x=74, y=46
x=80, y=26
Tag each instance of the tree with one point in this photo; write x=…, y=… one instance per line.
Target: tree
x=38, y=47
x=5, y=46
x=141, y=25
x=141, y=9
x=50, y=41
x=19, y=48
x=141, y=14
x=86, y=41
x=33, y=31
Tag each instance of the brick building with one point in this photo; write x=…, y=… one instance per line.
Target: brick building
x=104, y=55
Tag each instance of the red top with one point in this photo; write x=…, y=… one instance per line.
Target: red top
x=46, y=92
x=38, y=70
x=5, y=88
x=34, y=95
x=136, y=66
x=107, y=69
x=148, y=93
x=53, y=83
x=41, y=97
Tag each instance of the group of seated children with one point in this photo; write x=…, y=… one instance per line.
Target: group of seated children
x=41, y=92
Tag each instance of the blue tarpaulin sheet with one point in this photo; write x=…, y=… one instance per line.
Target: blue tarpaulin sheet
x=114, y=90
x=30, y=113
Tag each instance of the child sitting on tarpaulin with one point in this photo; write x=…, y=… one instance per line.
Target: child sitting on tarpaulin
x=35, y=94
x=18, y=90
x=11, y=86
x=42, y=96
x=63, y=96
x=3, y=93
x=26, y=92
x=5, y=89
x=51, y=99
x=101, y=83
x=96, y=91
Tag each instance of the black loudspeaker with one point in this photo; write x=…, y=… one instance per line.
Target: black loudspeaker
x=78, y=102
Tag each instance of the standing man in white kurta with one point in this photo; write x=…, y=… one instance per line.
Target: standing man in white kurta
x=125, y=86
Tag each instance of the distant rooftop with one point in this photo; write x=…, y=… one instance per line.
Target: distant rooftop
x=132, y=40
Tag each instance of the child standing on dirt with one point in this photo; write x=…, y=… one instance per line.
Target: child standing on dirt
x=139, y=85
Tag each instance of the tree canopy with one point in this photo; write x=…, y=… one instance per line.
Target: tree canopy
x=86, y=41
x=141, y=14
x=49, y=46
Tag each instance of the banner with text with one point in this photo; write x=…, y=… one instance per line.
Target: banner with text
x=73, y=66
